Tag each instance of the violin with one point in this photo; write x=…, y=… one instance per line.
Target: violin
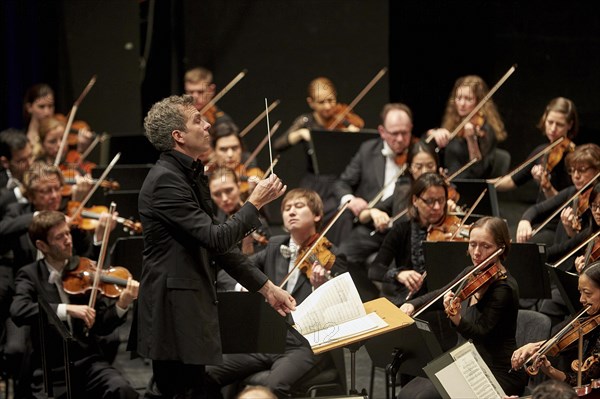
x=81, y=279
x=88, y=218
x=477, y=282
x=564, y=339
x=478, y=120
x=557, y=153
x=580, y=204
x=348, y=118
x=244, y=175
x=320, y=253
x=449, y=230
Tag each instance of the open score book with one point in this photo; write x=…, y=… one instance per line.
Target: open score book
x=334, y=312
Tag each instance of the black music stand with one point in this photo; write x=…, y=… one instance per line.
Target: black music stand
x=471, y=189
x=567, y=284
x=324, y=144
x=249, y=325
x=51, y=326
x=406, y=350
x=525, y=263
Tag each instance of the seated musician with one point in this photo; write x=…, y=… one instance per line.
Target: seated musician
x=322, y=100
x=302, y=212
x=93, y=376
x=225, y=192
x=230, y=153
x=403, y=243
x=15, y=159
x=38, y=105
x=488, y=317
x=478, y=138
x=582, y=164
x=592, y=251
x=560, y=120
x=374, y=164
x=362, y=242
x=589, y=288
x=198, y=82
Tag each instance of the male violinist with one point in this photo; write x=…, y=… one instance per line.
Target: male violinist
x=93, y=376
x=16, y=156
x=302, y=213
x=198, y=83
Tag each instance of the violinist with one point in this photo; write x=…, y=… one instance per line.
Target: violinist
x=230, y=153
x=38, y=105
x=361, y=242
x=302, y=213
x=322, y=100
x=479, y=137
x=589, y=289
x=404, y=242
x=488, y=317
x=593, y=252
x=225, y=192
x=582, y=165
x=42, y=279
x=198, y=82
x=16, y=156
x=560, y=119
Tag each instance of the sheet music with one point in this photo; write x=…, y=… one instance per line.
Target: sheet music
x=350, y=328
x=333, y=303
x=469, y=376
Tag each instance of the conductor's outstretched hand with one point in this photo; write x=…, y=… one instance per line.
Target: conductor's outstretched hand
x=266, y=191
x=278, y=298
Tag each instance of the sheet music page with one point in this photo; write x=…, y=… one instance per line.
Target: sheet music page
x=333, y=303
x=333, y=333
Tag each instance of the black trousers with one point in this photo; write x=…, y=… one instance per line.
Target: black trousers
x=176, y=380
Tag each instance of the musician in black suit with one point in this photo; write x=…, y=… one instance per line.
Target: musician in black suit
x=94, y=377
x=16, y=156
x=302, y=213
x=178, y=324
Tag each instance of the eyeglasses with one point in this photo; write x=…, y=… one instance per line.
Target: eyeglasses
x=430, y=202
x=595, y=206
x=403, y=133
x=581, y=170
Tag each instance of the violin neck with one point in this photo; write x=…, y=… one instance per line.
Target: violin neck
x=114, y=280
x=95, y=215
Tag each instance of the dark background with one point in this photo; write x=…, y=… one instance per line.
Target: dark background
x=139, y=51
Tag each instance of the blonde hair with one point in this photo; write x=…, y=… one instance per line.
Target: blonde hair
x=198, y=74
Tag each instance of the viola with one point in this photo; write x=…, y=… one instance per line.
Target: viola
x=81, y=280
x=349, y=118
x=475, y=283
x=88, y=218
x=449, y=230
x=320, y=253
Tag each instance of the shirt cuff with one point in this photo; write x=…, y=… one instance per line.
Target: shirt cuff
x=345, y=199
x=120, y=311
x=19, y=196
x=61, y=311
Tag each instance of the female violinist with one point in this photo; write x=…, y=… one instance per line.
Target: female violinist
x=225, y=192
x=38, y=105
x=404, y=242
x=560, y=119
x=488, y=317
x=479, y=136
x=582, y=165
x=592, y=252
x=589, y=288
x=230, y=153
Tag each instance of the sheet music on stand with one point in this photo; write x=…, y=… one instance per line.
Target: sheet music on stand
x=462, y=373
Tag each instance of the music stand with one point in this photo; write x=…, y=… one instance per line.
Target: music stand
x=344, y=144
x=406, y=350
x=249, y=325
x=525, y=263
x=471, y=189
x=51, y=326
x=567, y=284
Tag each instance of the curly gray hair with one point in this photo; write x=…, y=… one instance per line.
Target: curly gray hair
x=163, y=118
